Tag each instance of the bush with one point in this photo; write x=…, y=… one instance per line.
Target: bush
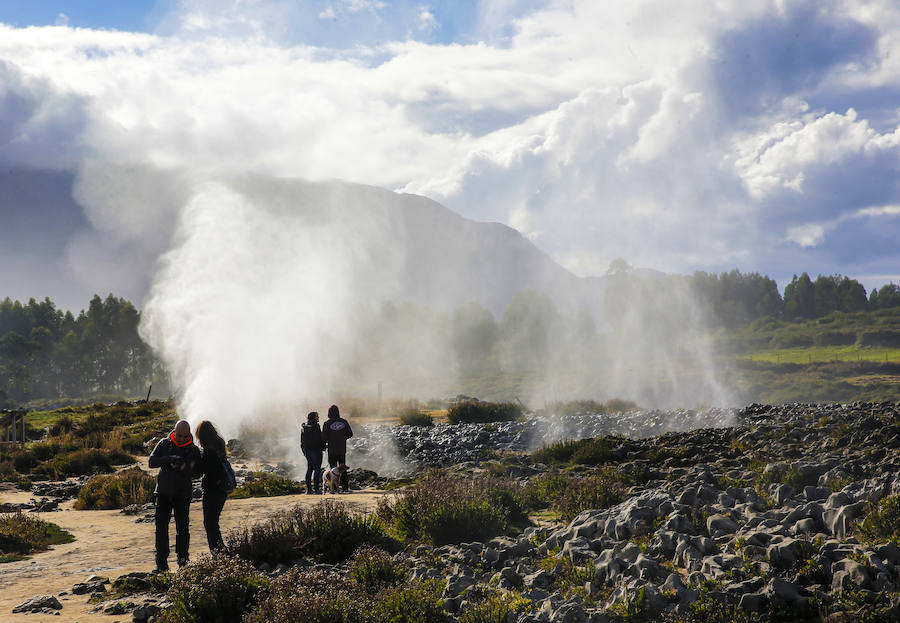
x=215, y=588
x=593, y=451
x=414, y=417
x=327, y=532
x=309, y=596
x=618, y=405
x=420, y=602
x=496, y=608
x=21, y=535
x=592, y=492
x=883, y=522
x=265, y=485
x=476, y=411
x=372, y=569
x=83, y=462
x=835, y=338
x=440, y=509
x=131, y=486
x=884, y=337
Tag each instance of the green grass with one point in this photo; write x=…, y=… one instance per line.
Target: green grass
x=265, y=485
x=820, y=354
x=21, y=535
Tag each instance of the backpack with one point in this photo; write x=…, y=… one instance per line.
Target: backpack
x=229, y=483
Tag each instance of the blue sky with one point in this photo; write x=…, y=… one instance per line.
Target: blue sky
x=762, y=136
x=133, y=15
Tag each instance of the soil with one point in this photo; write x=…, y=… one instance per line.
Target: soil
x=109, y=543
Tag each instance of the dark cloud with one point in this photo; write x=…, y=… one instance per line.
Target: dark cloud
x=38, y=126
x=753, y=68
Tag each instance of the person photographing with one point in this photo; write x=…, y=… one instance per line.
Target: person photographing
x=176, y=456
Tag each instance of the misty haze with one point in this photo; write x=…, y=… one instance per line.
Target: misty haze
x=503, y=310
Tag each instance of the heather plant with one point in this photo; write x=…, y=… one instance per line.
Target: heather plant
x=83, y=462
x=442, y=509
x=21, y=535
x=301, y=595
x=593, y=451
x=124, y=488
x=476, y=411
x=591, y=492
x=415, y=417
x=328, y=532
x=214, y=588
x=372, y=568
x=264, y=485
x=495, y=607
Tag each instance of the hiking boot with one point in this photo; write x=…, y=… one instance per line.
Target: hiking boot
x=183, y=562
x=161, y=567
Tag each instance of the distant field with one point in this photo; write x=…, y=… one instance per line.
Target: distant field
x=820, y=354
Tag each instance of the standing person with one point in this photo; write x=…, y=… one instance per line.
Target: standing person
x=335, y=432
x=311, y=445
x=176, y=456
x=213, y=483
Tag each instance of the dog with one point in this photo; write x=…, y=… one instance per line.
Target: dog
x=332, y=478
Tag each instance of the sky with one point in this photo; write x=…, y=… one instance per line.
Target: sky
x=682, y=136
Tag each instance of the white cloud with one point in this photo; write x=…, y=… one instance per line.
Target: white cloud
x=809, y=235
x=630, y=129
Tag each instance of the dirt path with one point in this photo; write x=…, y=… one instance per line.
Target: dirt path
x=109, y=543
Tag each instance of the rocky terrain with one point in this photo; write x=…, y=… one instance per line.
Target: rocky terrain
x=772, y=513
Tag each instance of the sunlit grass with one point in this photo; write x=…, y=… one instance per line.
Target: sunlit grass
x=819, y=354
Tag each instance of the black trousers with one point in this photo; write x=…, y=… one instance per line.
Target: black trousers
x=165, y=505
x=213, y=503
x=333, y=461
x=313, y=470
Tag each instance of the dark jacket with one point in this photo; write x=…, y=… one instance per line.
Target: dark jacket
x=213, y=472
x=311, y=438
x=336, y=432
x=174, y=481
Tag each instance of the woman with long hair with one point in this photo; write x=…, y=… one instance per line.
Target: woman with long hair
x=214, y=481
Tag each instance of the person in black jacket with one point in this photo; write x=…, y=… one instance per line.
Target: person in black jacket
x=311, y=445
x=335, y=432
x=177, y=457
x=213, y=483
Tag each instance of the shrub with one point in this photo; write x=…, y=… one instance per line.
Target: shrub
x=592, y=492
x=327, y=532
x=835, y=338
x=414, y=417
x=593, y=451
x=420, y=602
x=476, y=411
x=441, y=509
x=496, y=608
x=214, y=588
x=618, y=405
x=131, y=486
x=83, y=462
x=265, y=485
x=372, y=569
x=21, y=535
x=883, y=522
x=880, y=338
x=309, y=596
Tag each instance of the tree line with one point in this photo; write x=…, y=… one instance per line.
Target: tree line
x=48, y=353
x=734, y=299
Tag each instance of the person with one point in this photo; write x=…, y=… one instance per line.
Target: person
x=213, y=483
x=176, y=456
x=335, y=433
x=311, y=445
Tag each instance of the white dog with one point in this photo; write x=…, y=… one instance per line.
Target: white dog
x=332, y=478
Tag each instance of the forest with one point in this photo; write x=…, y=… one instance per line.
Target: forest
x=48, y=353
